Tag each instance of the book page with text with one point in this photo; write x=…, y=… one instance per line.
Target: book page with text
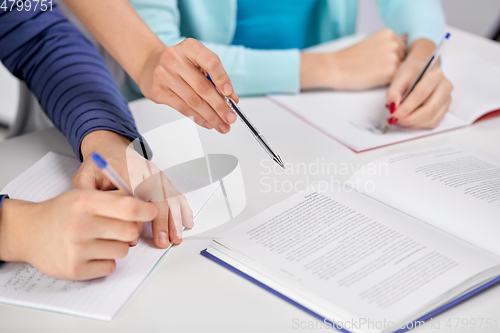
x=451, y=187
x=367, y=259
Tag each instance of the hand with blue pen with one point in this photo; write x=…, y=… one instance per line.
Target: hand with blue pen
x=144, y=179
x=430, y=96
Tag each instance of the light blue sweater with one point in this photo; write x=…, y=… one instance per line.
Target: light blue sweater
x=257, y=72
x=276, y=24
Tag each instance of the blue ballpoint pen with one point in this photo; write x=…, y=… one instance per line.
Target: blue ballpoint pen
x=432, y=59
x=258, y=136
x=112, y=175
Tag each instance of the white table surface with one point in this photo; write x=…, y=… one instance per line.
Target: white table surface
x=187, y=292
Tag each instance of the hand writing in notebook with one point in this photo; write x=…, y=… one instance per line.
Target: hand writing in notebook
x=77, y=235
x=429, y=101
x=174, y=212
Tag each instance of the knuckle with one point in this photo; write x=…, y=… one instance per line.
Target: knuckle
x=170, y=54
x=111, y=268
x=185, y=109
x=190, y=41
x=213, y=61
x=203, y=88
x=449, y=86
x=420, y=94
x=434, y=123
x=395, y=60
x=74, y=271
x=122, y=251
x=388, y=33
x=436, y=74
x=396, y=47
x=74, y=230
x=130, y=206
x=222, y=107
x=77, y=179
x=169, y=95
x=194, y=101
x=132, y=231
x=158, y=74
x=212, y=118
x=155, y=94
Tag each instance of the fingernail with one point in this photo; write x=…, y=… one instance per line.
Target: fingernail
x=392, y=120
x=224, y=128
x=178, y=230
x=387, y=105
x=163, y=238
x=227, y=89
x=207, y=125
x=392, y=107
x=231, y=117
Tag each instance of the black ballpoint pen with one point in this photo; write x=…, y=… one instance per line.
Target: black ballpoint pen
x=258, y=136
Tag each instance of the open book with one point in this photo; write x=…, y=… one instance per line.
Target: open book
x=22, y=284
x=356, y=118
x=406, y=237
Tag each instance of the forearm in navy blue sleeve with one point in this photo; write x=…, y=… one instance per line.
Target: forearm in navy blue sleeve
x=65, y=72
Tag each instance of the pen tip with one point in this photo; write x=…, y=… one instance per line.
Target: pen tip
x=278, y=160
x=385, y=129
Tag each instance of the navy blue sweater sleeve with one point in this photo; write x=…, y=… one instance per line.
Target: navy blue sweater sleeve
x=65, y=72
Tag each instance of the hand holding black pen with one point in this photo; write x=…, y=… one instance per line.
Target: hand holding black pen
x=258, y=136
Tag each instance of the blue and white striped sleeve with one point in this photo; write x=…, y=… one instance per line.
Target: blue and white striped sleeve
x=65, y=72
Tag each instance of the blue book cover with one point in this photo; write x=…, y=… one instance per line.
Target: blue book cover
x=423, y=318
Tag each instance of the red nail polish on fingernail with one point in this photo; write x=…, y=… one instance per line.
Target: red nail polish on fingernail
x=392, y=107
x=387, y=105
x=392, y=120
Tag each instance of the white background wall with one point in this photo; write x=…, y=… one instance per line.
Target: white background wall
x=481, y=17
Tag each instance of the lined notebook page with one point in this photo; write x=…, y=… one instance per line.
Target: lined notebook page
x=22, y=284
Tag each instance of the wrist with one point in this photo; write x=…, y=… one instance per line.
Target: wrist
x=147, y=72
x=421, y=49
x=316, y=71
x=14, y=234
x=97, y=140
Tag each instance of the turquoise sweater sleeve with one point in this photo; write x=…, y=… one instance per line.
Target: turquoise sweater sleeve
x=420, y=19
x=252, y=72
